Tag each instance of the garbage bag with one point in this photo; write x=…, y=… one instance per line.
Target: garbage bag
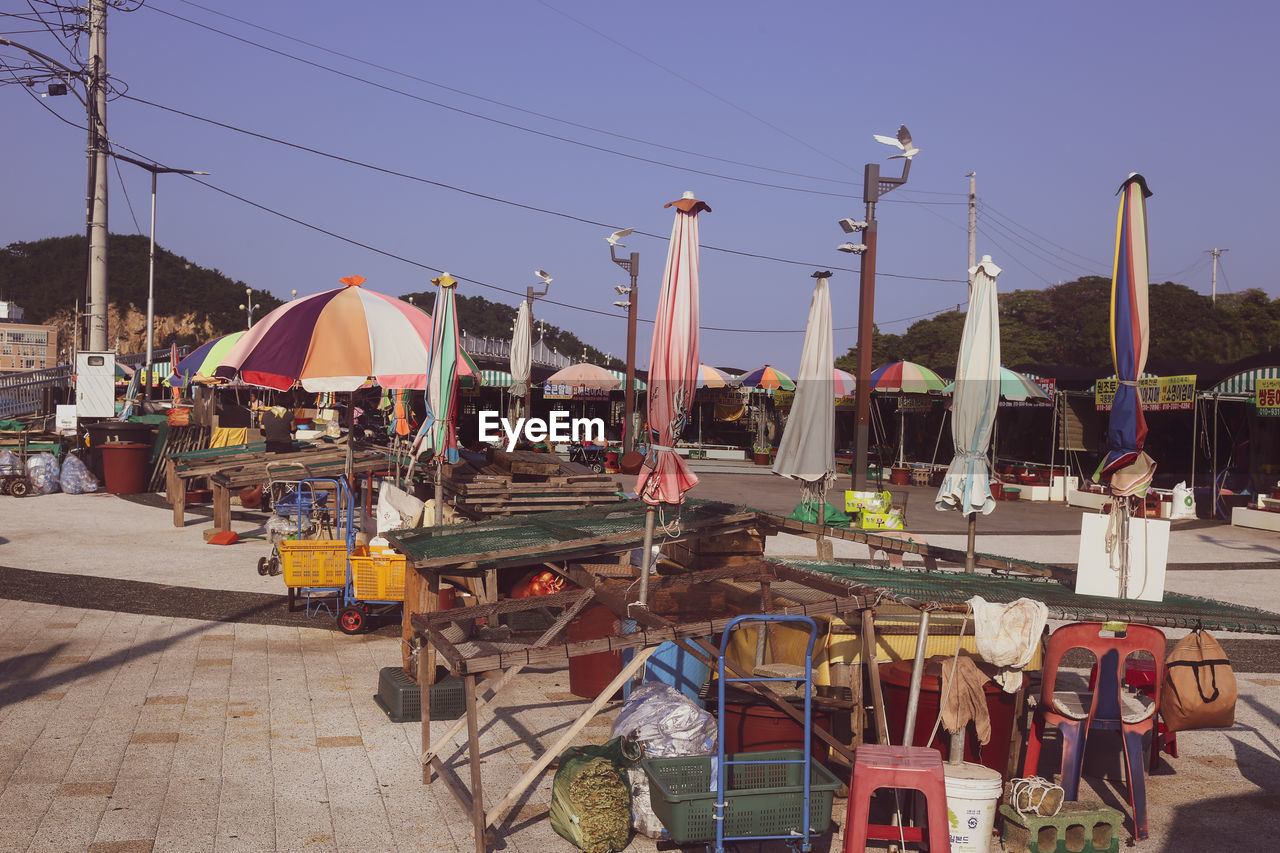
x=76, y=478
x=43, y=471
x=829, y=517
x=590, y=801
x=666, y=723
x=1184, y=502
x=10, y=464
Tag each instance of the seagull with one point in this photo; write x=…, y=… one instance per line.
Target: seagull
x=613, y=238
x=542, y=274
x=903, y=142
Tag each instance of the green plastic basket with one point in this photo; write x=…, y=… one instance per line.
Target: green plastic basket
x=763, y=799
x=401, y=697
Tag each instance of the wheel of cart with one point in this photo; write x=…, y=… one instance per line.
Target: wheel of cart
x=739, y=771
x=13, y=476
x=318, y=571
x=376, y=587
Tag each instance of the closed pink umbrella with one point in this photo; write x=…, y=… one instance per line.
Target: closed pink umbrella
x=673, y=373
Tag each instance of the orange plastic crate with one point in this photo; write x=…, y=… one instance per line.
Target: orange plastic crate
x=315, y=562
x=379, y=576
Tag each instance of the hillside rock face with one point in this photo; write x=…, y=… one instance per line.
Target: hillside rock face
x=126, y=331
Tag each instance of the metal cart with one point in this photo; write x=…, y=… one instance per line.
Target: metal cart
x=317, y=570
x=723, y=772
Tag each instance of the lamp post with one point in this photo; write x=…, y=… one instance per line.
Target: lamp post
x=248, y=306
x=631, y=264
x=154, y=169
x=873, y=187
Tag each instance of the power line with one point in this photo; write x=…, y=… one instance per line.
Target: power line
x=485, y=197
x=1031, y=247
x=1093, y=262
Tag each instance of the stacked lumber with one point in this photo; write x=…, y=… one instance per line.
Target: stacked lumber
x=498, y=483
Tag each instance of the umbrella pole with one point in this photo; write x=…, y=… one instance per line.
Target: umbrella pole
x=1195, y=444
x=970, y=558
x=439, y=491
x=646, y=554
x=917, y=676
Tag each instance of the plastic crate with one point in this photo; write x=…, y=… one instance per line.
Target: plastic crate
x=314, y=562
x=762, y=799
x=379, y=576
x=400, y=696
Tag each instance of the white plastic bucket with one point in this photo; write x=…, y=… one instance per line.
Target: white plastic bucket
x=972, y=794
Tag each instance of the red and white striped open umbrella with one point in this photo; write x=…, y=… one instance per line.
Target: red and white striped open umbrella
x=673, y=361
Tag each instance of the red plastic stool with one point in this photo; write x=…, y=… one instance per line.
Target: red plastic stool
x=916, y=768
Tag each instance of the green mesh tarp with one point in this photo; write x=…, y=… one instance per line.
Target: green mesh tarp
x=1175, y=611
x=546, y=535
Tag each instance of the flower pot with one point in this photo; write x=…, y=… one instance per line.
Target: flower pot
x=900, y=476
x=761, y=458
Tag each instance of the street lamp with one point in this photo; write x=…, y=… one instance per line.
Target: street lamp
x=873, y=186
x=249, y=306
x=154, y=169
x=632, y=266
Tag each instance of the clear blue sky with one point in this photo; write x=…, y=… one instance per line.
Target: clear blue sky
x=766, y=111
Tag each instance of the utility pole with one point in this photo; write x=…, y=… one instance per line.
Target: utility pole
x=1213, y=299
x=96, y=104
x=632, y=266
x=973, y=226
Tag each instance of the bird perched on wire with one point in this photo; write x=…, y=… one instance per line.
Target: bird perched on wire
x=613, y=238
x=903, y=142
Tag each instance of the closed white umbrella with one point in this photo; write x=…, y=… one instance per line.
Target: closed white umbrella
x=807, y=450
x=522, y=351
x=967, y=484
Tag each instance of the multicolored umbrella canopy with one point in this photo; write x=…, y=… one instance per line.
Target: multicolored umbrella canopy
x=587, y=375
x=842, y=383
x=966, y=485
x=673, y=362
x=710, y=377
x=335, y=341
x=807, y=449
x=906, y=377
x=438, y=432
x=768, y=378
x=1126, y=469
x=1013, y=386
x=200, y=363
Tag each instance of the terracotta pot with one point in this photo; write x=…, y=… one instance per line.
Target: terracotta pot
x=900, y=476
x=762, y=458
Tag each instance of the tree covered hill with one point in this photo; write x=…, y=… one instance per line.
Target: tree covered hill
x=46, y=278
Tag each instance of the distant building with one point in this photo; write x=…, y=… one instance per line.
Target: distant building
x=25, y=346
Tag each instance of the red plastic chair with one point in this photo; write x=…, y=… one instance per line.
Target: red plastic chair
x=1107, y=707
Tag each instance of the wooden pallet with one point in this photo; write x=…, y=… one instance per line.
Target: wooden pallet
x=501, y=483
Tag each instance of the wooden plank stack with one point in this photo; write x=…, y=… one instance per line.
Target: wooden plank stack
x=524, y=481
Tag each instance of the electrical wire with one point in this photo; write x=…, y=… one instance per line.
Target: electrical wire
x=1013, y=256
x=1092, y=262
x=496, y=199
x=1033, y=249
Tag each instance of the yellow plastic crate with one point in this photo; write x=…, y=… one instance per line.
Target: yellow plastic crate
x=379, y=576
x=314, y=562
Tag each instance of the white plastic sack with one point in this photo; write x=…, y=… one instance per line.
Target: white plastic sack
x=76, y=478
x=43, y=471
x=1007, y=635
x=1184, y=502
x=666, y=723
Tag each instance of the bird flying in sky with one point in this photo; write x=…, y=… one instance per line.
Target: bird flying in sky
x=903, y=142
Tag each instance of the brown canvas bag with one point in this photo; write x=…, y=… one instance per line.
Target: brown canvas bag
x=1199, y=690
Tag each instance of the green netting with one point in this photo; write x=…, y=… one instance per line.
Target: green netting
x=1179, y=611
x=548, y=533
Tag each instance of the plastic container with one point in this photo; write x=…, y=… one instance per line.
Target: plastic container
x=401, y=697
x=313, y=562
x=124, y=467
x=764, y=728
x=379, y=576
x=895, y=679
x=590, y=674
x=111, y=432
x=760, y=799
x=972, y=794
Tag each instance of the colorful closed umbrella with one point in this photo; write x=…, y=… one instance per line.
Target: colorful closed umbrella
x=335, y=341
x=201, y=362
x=807, y=450
x=906, y=377
x=1126, y=469
x=966, y=487
x=768, y=378
x=438, y=432
x=673, y=371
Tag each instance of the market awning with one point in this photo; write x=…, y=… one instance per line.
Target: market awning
x=496, y=378
x=640, y=383
x=1243, y=383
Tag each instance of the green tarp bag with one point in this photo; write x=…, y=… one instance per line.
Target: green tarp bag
x=590, y=797
x=831, y=517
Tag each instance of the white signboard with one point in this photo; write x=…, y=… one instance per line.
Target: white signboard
x=1098, y=572
x=65, y=419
